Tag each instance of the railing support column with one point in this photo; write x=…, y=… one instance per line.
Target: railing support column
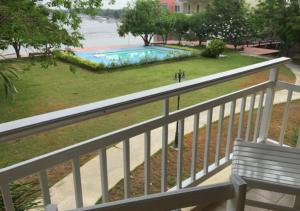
x=237, y=203
x=266, y=115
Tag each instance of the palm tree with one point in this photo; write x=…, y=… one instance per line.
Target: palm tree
x=7, y=74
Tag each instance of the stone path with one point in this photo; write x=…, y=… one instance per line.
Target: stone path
x=62, y=193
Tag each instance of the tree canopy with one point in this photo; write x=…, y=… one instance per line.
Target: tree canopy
x=228, y=18
x=31, y=23
x=279, y=19
x=140, y=19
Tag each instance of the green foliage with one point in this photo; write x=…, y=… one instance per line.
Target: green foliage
x=7, y=75
x=140, y=19
x=23, y=196
x=228, y=20
x=294, y=138
x=28, y=23
x=199, y=26
x=214, y=49
x=165, y=25
x=278, y=19
x=181, y=26
x=73, y=59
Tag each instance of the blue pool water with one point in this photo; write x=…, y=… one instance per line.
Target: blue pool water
x=131, y=55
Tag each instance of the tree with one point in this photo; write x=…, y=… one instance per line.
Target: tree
x=165, y=25
x=199, y=26
x=229, y=20
x=181, y=26
x=36, y=24
x=279, y=20
x=30, y=23
x=140, y=19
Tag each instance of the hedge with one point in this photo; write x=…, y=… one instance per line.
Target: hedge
x=70, y=57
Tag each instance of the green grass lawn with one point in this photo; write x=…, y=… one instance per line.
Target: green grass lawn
x=55, y=88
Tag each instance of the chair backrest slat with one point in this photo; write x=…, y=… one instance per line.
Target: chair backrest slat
x=267, y=163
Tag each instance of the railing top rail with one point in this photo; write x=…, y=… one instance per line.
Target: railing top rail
x=39, y=123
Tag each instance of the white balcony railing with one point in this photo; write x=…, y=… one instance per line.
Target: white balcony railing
x=263, y=93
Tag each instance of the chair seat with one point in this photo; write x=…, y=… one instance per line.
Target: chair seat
x=267, y=163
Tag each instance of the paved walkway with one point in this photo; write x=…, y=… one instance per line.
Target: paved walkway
x=62, y=193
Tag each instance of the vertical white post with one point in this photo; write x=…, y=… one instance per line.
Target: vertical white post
x=207, y=141
x=258, y=116
x=147, y=149
x=230, y=130
x=180, y=153
x=103, y=174
x=267, y=111
x=241, y=119
x=164, y=150
x=250, y=116
x=219, y=135
x=195, y=146
x=44, y=187
x=126, y=163
x=285, y=118
x=77, y=182
x=6, y=196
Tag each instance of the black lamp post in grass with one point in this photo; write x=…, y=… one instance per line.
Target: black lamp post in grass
x=179, y=76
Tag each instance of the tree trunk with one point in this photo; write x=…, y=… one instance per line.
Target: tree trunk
x=166, y=39
x=200, y=42
x=147, y=40
x=179, y=40
x=17, y=48
x=163, y=38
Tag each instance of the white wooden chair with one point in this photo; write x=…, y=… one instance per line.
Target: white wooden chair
x=268, y=167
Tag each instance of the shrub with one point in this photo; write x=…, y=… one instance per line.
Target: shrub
x=214, y=49
x=294, y=138
x=24, y=196
x=70, y=57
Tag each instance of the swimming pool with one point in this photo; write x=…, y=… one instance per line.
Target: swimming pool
x=124, y=56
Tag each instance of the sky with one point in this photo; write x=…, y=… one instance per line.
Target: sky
x=119, y=4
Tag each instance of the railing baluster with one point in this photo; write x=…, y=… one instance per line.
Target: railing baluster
x=164, y=150
x=103, y=173
x=195, y=146
x=219, y=135
x=126, y=162
x=230, y=130
x=258, y=116
x=180, y=153
x=207, y=141
x=250, y=117
x=77, y=182
x=147, y=142
x=285, y=117
x=44, y=187
x=6, y=197
x=241, y=119
x=266, y=117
